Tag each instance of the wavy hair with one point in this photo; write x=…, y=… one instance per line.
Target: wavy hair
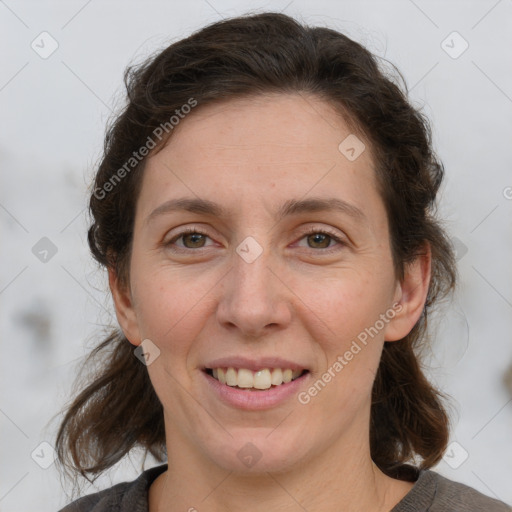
x=117, y=409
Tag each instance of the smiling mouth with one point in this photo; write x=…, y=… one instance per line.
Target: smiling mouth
x=243, y=378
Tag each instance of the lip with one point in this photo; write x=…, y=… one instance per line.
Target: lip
x=254, y=364
x=254, y=400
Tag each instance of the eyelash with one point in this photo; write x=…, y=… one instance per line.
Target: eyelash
x=304, y=234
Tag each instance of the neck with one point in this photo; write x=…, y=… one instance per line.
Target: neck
x=344, y=476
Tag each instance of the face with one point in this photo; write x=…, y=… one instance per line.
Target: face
x=274, y=264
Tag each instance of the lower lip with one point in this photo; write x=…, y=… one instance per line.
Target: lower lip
x=255, y=400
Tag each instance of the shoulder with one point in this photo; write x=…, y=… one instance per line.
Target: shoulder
x=123, y=497
x=452, y=494
x=436, y=493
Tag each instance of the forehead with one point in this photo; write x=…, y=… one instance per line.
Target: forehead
x=271, y=127
x=260, y=150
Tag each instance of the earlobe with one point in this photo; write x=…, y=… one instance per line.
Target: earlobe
x=411, y=296
x=125, y=311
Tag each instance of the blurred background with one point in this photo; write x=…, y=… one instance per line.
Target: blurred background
x=61, y=79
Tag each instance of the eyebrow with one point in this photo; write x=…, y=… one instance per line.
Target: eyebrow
x=289, y=208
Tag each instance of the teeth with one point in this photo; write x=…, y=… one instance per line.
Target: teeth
x=277, y=377
x=231, y=377
x=262, y=379
x=245, y=378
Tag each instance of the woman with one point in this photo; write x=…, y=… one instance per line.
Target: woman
x=264, y=209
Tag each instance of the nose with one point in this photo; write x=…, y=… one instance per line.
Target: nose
x=254, y=300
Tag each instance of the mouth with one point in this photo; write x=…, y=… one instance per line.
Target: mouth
x=249, y=380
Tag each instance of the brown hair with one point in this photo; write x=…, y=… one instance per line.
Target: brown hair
x=256, y=54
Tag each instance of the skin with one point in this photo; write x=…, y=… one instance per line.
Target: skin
x=304, y=299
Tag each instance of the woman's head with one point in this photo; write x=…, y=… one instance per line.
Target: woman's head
x=311, y=182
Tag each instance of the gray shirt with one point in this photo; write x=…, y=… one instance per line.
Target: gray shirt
x=431, y=493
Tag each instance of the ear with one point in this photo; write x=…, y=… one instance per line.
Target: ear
x=410, y=296
x=125, y=311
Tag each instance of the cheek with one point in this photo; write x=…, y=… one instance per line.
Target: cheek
x=340, y=319
x=171, y=306
x=341, y=315
x=341, y=307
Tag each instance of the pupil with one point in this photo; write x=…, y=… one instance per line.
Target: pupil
x=322, y=237
x=196, y=237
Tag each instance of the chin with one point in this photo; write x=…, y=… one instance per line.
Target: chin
x=258, y=453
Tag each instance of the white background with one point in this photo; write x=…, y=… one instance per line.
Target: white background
x=53, y=114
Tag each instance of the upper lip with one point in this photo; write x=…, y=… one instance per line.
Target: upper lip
x=254, y=364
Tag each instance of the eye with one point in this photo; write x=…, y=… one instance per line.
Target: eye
x=321, y=239
x=192, y=238
x=195, y=238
